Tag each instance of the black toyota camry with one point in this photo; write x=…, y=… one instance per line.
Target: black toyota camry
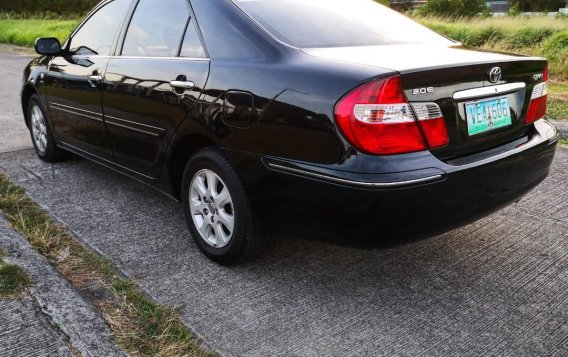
x=329, y=116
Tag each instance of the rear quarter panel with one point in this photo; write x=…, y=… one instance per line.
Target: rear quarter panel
x=293, y=102
x=293, y=93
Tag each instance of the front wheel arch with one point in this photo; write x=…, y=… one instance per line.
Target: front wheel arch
x=27, y=93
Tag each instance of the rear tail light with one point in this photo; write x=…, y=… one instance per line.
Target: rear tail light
x=376, y=118
x=539, y=97
x=433, y=124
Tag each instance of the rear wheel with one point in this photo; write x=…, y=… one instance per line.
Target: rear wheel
x=42, y=138
x=217, y=209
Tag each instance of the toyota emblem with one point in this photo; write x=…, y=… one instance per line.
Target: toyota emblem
x=495, y=74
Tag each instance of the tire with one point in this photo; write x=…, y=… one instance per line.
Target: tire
x=40, y=131
x=208, y=209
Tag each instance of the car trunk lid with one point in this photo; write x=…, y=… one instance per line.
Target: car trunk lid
x=458, y=79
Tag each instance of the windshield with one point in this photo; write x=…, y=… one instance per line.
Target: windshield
x=337, y=23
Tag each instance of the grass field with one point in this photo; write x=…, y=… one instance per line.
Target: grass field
x=25, y=32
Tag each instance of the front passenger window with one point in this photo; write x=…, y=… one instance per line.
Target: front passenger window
x=156, y=29
x=96, y=35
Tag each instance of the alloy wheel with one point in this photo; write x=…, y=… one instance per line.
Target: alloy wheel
x=39, y=129
x=212, y=208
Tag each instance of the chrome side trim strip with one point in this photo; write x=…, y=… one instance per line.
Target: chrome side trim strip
x=73, y=108
x=63, y=108
x=132, y=128
x=135, y=123
x=143, y=57
x=488, y=91
x=116, y=167
x=101, y=160
x=355, y=183
x=163, y=58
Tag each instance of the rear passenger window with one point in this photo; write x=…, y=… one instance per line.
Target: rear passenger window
x=191, y=46
x=157, y=28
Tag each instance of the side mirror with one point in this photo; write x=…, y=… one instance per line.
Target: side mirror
x=48, y=46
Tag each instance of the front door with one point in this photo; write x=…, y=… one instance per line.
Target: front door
x=154, y=84
x=74, y=81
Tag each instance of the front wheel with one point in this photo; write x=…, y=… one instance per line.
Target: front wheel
x=42, y=137
x=217, y=209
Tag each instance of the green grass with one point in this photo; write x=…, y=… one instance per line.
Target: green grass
x=13, y=279
x=141, y=327
x=557, y=101
x=558, y=88
x=25, y=32
x=557, y=109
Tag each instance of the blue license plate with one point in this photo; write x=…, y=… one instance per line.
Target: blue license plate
x=487, y=115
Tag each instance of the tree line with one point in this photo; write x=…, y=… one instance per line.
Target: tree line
x=57, y=7
x=538, y=5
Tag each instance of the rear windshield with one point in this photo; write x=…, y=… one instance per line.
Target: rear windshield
x=337, y=23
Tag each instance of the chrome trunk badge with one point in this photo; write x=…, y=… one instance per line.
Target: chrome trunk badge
x=495, y=74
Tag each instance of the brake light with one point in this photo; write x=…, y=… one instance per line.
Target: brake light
x=539, y=98
x=433, y=124
x=376, y=118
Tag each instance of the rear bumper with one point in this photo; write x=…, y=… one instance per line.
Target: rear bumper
x=422, y=168
x=427, y=198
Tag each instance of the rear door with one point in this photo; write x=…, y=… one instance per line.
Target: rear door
x=153, y=83
x=74, y=81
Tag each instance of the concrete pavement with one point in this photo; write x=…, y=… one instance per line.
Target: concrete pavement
x=562, y=126
x=27, y=332
x=54, y=319
x=496, y=287
x=13, y=132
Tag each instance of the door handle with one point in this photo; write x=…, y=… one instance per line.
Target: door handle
x=185, y=85
x=95, y=78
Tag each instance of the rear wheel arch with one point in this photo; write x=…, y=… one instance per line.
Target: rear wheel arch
x=181, y=153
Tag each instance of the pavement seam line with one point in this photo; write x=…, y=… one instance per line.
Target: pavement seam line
x=67, y=339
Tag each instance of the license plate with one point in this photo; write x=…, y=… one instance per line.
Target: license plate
x=486, y=115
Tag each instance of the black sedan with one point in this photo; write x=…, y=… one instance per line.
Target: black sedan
x=330, y=116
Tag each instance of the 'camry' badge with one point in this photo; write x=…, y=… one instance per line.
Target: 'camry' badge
x=495, y=74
